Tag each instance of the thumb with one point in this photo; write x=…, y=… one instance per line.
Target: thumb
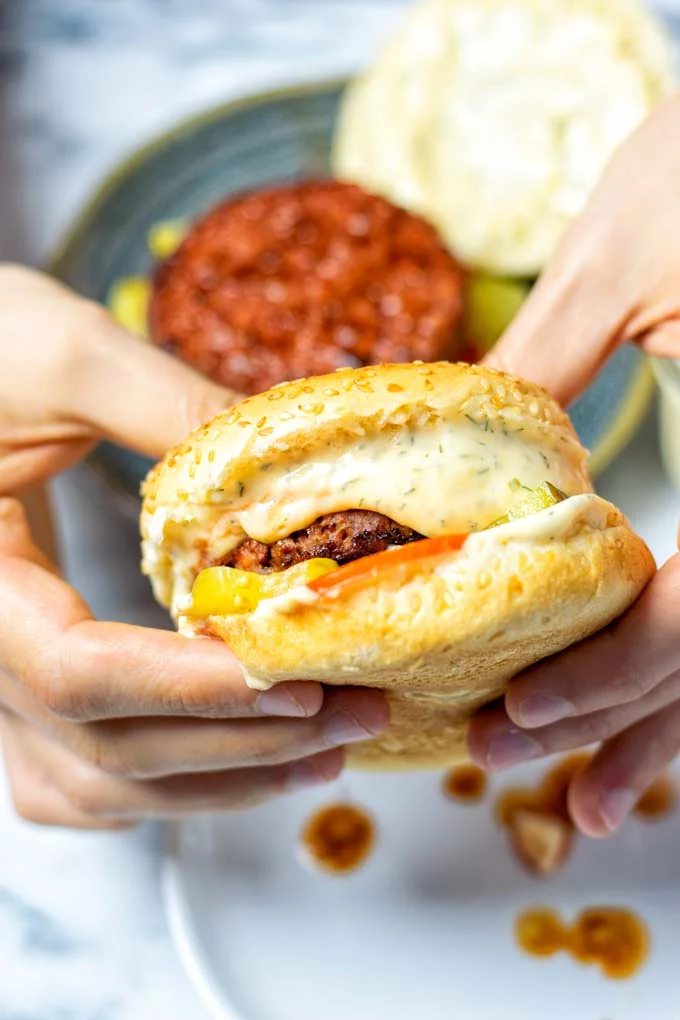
x=136, y=394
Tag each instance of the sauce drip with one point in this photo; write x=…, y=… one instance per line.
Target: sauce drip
x=613, y=938
x=540, y=932
x=659, y=799
x=338, y=838
x=540, y=831
x=466, y=783
x=549, y=797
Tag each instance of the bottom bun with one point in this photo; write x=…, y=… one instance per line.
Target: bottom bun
x=449, y=639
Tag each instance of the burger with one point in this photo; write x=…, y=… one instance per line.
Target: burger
x=426, y=529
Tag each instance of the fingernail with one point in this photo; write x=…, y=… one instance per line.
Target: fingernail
x=312, y=772
x=543, y=709
x=616, y=805
x=281, y=701
x=510, y=748
x=344, y=728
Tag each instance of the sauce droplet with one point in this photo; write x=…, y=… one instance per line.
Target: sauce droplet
x=540, y=932
x=466, y=783
x=540, y=830
x=613, y=938
x=549, y=797
x=659, y=799
x=338, y=838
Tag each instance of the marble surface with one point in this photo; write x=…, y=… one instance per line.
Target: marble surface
x=82, y=932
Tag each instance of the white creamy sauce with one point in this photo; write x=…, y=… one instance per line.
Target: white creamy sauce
x=453, y=477
x=288, y=601
x=555, y=523
x=256, y=683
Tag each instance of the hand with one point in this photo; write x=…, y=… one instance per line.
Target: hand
x=104, y=723
x=613, y=280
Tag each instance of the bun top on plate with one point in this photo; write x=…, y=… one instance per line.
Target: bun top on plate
x=496, y=118
x=439, y=448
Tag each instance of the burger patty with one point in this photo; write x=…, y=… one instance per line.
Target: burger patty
x=303, y=279
x=343, y=536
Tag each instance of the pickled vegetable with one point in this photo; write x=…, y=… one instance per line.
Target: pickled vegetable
x=491, y=305
x=368, y=570
x=223, y=591
x=164, y=239
x=541, y=498
x=129, y=303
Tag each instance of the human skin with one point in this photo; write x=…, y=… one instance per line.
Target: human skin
x=105, y=723
x=614, y=279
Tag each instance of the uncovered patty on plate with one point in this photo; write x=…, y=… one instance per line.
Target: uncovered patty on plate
x=302, y=279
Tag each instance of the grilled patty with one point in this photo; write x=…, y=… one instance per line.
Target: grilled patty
x=343, y=536
x=305, y=278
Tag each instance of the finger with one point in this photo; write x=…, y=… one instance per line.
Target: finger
x=232, y=790
x=85, y=670
x=24, y=465
x=133, y=392
x=126, y=671
x=35, y=796
x=572, y=321
x=15, y=535
x=150, y=748
x=660, y=340
x=497, y=743
x=80, y=795
x=612, y=783
x=618, y=665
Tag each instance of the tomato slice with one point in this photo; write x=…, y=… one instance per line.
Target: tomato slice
x=363, y=572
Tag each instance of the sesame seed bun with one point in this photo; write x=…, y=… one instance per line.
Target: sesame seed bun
x=448, y=637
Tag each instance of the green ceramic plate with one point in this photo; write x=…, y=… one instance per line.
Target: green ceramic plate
x=274, y=136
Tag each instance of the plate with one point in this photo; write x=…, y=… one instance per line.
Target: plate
x=274, y=136
x=425, y=930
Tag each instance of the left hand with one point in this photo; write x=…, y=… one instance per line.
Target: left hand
x=104, y=723
x=613, y=280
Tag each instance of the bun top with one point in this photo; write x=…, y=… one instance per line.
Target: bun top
x=219, y=459
x=496, y=118
x=437, y=447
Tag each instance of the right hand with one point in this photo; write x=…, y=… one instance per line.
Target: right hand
x=614, y=279
x=105, y=723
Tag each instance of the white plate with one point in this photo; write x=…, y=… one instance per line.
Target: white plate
x=425, y=929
